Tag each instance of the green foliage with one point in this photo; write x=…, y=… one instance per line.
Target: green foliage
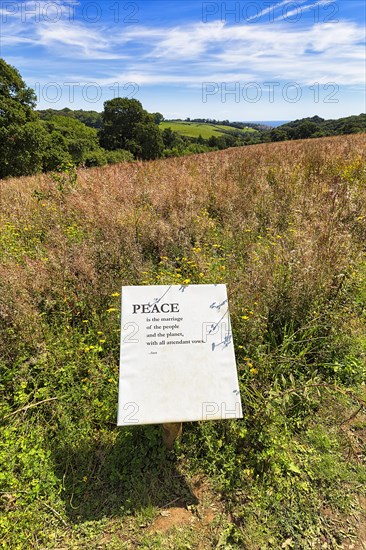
x=120, y=117
x=196, y=148
x=158, y=118
x=77, y=140
x=22, y=149
x=118, y=155
x=65, y=178
x=56, y=153
x=16, y=99
x=317, y=127
x=89, y=118
x=96, y=157
x=22, y=137
x=171, y=139
x=150, y=142
x=126, y=125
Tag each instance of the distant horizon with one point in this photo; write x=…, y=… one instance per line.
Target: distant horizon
x=196, y=117
x=268, y=122
x=264, y=122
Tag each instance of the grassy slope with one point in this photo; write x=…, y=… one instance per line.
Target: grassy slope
x=194, y=129
x=284, y=226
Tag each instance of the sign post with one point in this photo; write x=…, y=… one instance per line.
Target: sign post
x=177, y=360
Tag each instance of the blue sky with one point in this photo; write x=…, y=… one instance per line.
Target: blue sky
x=236, y=60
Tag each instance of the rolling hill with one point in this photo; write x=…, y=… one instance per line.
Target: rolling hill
x=195, y=129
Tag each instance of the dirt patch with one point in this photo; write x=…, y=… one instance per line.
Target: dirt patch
x=201, y=515
x=172, y=517
x=209, y=506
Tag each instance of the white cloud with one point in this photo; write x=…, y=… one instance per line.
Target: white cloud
x=77, y=39
x=273, y=8
x=331, y=50
x=298, y=11
x=189, y=54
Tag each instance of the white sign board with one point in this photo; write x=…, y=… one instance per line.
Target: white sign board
x=177, y=356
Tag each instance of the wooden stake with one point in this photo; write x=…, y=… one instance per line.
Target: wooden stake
x=171, y=432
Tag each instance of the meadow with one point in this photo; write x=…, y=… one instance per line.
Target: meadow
x=196, y=129
x=284, y=226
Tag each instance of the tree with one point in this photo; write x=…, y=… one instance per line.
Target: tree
x=158, y=117
x=71, y=135
x=306, y=130
x=149, y=138
x=119, y=120
x=22, y=136
x=17, y=101
x=126, y=125
x=278, y=135
x=89, y=118
x=22, y=149
x=56, y=152
x=170, y=138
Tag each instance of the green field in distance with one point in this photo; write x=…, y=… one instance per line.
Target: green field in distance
x=194, y=129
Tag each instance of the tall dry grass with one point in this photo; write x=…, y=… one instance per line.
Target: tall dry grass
x=289, y=218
